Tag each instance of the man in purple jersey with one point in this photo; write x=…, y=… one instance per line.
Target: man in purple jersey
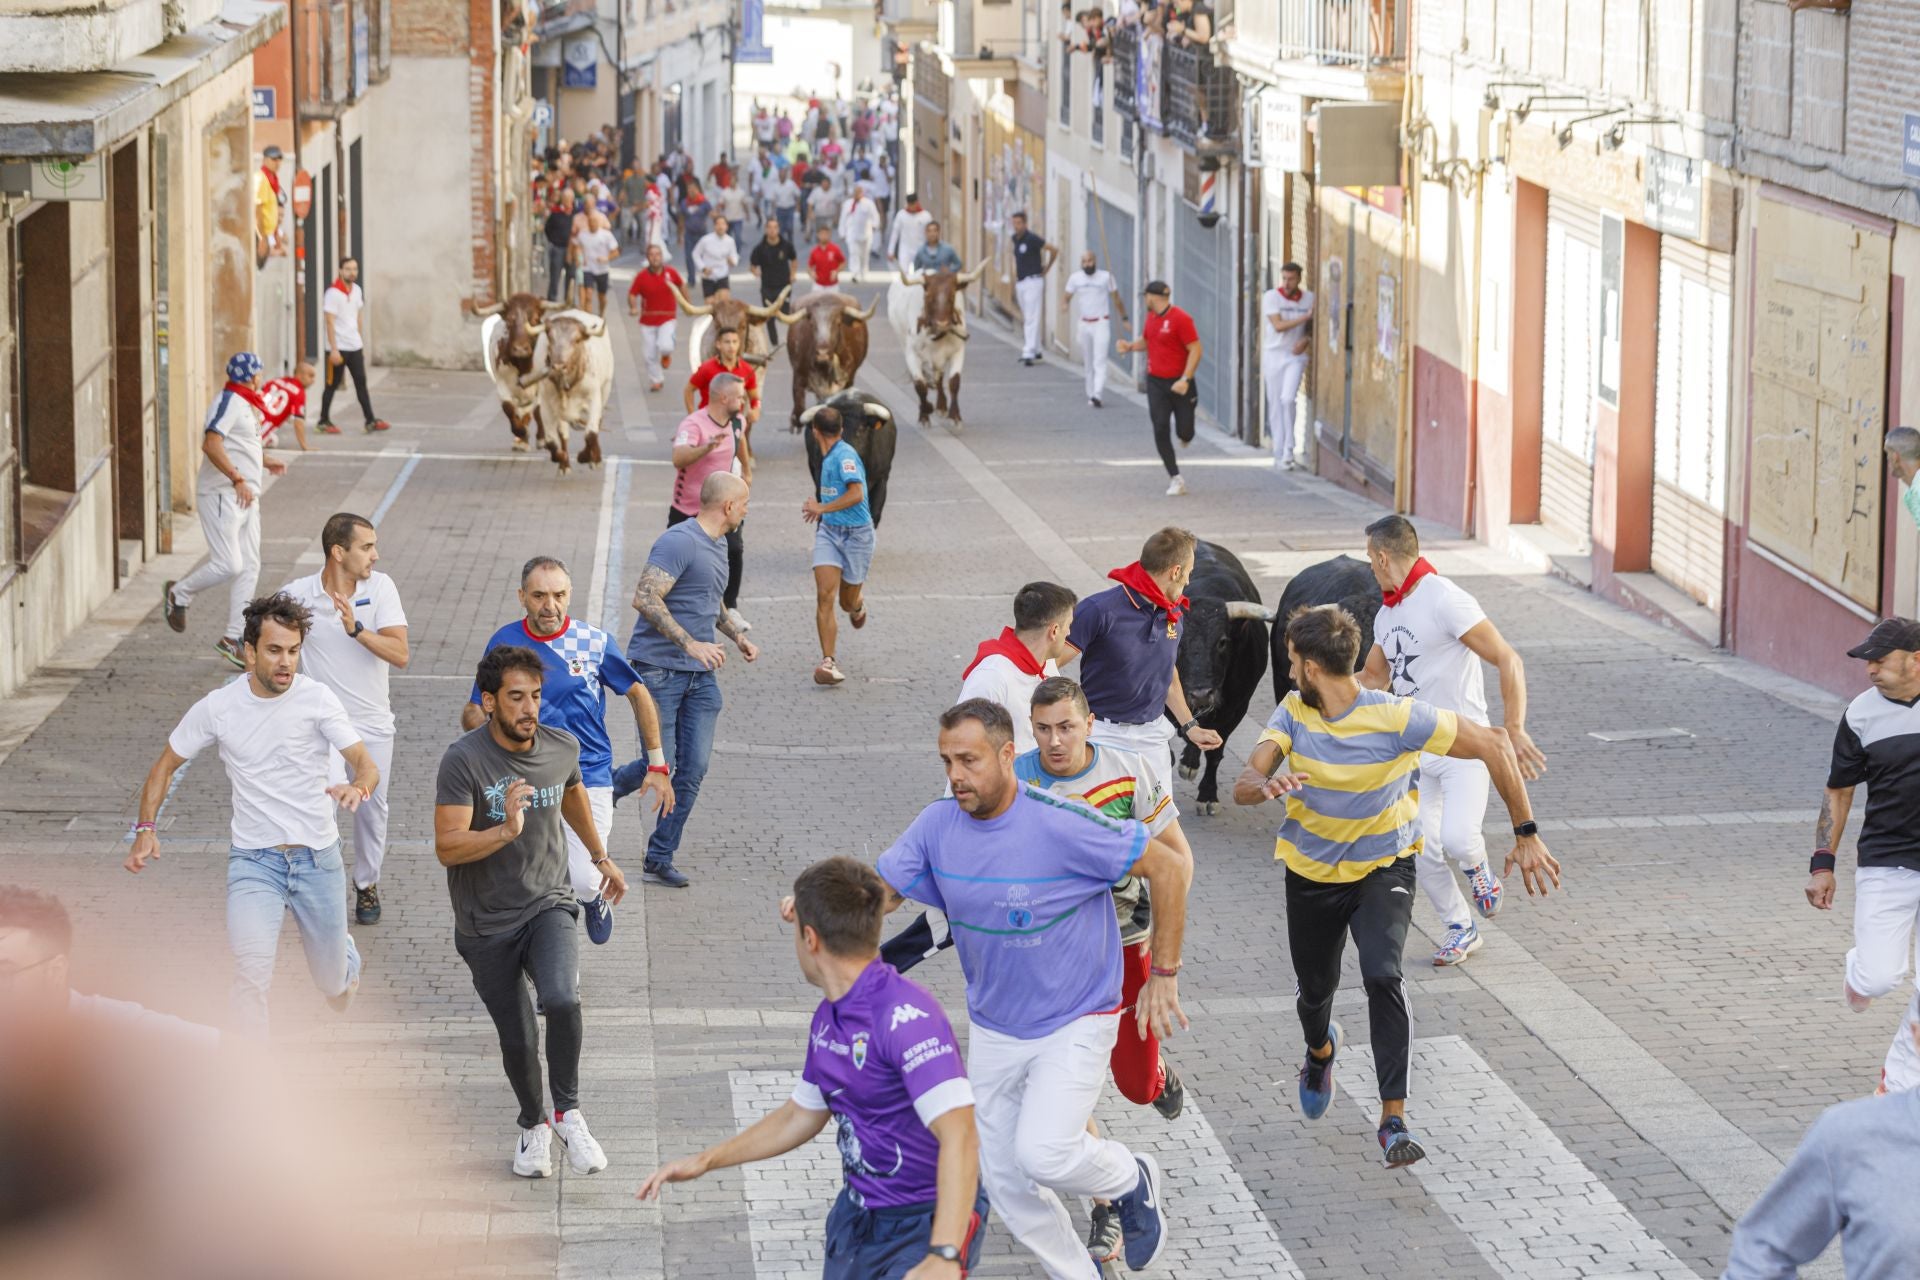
x=881, y=1059
x=1025, y=880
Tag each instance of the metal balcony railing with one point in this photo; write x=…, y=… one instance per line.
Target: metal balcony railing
x=1126, y=56
x=1202, y=100
x=1355, y=33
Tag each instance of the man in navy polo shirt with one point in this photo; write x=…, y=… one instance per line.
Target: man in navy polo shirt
x=582, y=663
x=1032, y=259
x=881, y=1060
x=1128, y=637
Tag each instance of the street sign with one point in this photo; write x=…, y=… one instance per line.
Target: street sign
x=580, y=63
x=1673, y=193
x=542, y=114
x=1275, y=133
x=82, y=178
x=264, y=102
x=302, y=193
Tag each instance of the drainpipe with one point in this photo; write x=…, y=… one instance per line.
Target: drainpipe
x=1410, y=179
x=1471, y=521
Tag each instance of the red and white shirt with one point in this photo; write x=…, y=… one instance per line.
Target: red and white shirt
x=281, y=398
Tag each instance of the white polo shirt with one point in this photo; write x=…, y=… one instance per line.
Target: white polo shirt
x=1091, y=294
x=355, y=674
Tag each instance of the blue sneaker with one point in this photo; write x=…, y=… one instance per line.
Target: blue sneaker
x=1141, y=1222
x=1462, y=940
x=1487, y=889
x=1398, y=1145
x=599, y=920
x=1316, y=1077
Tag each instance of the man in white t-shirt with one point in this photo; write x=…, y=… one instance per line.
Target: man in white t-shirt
x=341, y=310
x=1286, y=343
x=907, y=237
x=598, y=248
x=276, y=731
x=859, y=221
x=1429, y=639
x=715, y=257
x=1009, y=667
x=1094, y=298
x=359, y=635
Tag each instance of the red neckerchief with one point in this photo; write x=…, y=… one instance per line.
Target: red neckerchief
x=1420, y=570
x=342, y=286
x=1134, y=578
x=1290, y=297
x=1009, y=646
x=248, y=394
x=273, y=180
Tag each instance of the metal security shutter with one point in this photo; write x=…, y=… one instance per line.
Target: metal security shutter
x=1110, y=236
x=1691, y=418
x=1203, y=287
x=1300, y=245
x=1566, y=408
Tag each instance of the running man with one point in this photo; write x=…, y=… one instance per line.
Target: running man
x=582, y=663
x=651, y=301
x=276, y=731
x=842, y=542
x=1128, y=638
x=1008, y=668
x=1091, y=292
x=1878, y=744
x=825, y=260
x=503, y=793
x=1352, y=759
x=284, y=400
x=228, y=497
x=908, y=232
x=883, y=1064
x=342, y=309
x=1119, y=785
x=1007, y=862
x=361, y=638
x=1173, y=348
x=859, y=223
x=1429, y=639
x=710, y=439
x=933, y=255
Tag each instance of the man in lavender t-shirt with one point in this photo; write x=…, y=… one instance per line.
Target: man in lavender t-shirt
x=881, y=1060
x=1024, y=878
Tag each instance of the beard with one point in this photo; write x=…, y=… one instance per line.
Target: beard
x=1310, y=696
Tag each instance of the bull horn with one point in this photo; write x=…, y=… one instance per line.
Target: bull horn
x=758, y=362
x=864, y=315
x=791, y=317
x=807, y=417
x=879, y=411
x=535, y=329
x=968, y=277
x=595, y=327
x=761, y=313
x=686, y=306
x=529, y=379
x=492, y=309
x=911, y=284
x=1248, y=610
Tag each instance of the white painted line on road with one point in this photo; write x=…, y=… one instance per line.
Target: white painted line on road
x=602, y=538
x=512, y=459
x=1510, y=1185
x=392, y=494
x=1217, y=1227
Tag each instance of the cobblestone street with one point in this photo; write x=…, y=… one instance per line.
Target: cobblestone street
x=1605, y=1086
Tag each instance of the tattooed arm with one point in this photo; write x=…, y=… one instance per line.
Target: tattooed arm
x=725, y=625
x=1835, y=804
x=650, y=599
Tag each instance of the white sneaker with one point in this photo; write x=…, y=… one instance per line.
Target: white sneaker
x=1177, y=488
x=740, y=624
x=583, y=1153
x=534, y=1157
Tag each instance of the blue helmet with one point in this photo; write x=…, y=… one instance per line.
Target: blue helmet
x=244, y=367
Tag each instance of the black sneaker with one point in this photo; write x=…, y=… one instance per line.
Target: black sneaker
x=175, y=614
x=1103, y=1237
x=1316, y=1078
x=1173, y=1094
x=1398, y=1145
x=667, y=876
x=366, y=904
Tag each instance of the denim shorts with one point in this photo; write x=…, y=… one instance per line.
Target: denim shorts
x=847, y=547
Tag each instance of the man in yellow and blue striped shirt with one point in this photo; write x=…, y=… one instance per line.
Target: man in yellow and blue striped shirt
x=1352, y=827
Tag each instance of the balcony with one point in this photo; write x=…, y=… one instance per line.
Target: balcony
x=1126, y=57
x=344, y=48
x=1356, y=34
x=1175, y=89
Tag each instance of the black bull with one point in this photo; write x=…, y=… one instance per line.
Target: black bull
x=866, y=425
x=1342, y=580
x=1223, y=654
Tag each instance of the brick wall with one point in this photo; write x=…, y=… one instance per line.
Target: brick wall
x=435, y=28
x=483, y=190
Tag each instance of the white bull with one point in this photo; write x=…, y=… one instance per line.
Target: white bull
x=575, y=384
x=931, y=321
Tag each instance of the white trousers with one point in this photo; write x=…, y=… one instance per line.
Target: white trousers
x=1149, y=740
x=656, y=349
x=1282, y=378
x=1886, y=906
x=1096, y=338
x=1032, y=293
x=1453, y=807
x=233, y=556
x=370, y=819
x=586, y=877
x=1031, y=1103
x=859, y=255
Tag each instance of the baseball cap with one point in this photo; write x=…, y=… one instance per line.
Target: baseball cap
x=243, y=367
x=272, y=153
x=1888, y=635
x=1159, y=287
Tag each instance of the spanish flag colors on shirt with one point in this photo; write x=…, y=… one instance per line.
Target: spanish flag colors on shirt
x=1360, y=809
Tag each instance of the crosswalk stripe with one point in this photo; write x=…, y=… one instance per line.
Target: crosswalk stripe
x=1217, y=1229
x=1528, y=1204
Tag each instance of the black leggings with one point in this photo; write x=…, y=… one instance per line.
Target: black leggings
x=546, y=949
x=736, y=558
x=354, y=363
x=1377, y=910
x=1164, y=408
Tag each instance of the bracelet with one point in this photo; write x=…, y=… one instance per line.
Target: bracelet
x=1822, y=861
x=657, y=768
x=656, y=758
x=602, y=858
x=143, y=826
x=1158, y=972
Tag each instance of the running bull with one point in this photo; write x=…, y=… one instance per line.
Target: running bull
x=574, y=385
x=932, y=327
x=718, y=313
x=827, y=343
x=510, y=344
x=1223, y=654
x=1342, y=580
x=867, y=427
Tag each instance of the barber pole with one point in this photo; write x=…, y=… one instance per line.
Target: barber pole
x=1209, y=213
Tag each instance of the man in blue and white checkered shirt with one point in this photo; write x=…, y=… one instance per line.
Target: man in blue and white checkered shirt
x=582, y=662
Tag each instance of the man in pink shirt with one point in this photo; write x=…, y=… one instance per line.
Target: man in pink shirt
x=709, y=440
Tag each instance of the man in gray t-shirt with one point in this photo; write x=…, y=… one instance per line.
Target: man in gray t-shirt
x=504, y=789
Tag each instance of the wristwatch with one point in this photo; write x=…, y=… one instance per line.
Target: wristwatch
x=1188, y=726
x=944, y=1252
x=1528, y=828
x=358, y=627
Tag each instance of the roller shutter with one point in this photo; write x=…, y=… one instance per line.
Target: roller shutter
x=1567, y=390
x=1691, y=418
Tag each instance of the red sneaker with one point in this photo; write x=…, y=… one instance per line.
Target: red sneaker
x=378, y=425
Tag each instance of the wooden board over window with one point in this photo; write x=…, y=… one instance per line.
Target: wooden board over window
x=1819, y=376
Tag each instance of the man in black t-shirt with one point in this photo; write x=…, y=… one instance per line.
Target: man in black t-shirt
x=772, y=264
x=558, y=230
x=1032, y=259
x=1878, y=743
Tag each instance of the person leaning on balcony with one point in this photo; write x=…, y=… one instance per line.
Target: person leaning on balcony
x=1190, y=22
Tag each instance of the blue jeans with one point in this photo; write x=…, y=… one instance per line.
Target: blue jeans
x=262, y=886
x=785, y=218
x=689, y=706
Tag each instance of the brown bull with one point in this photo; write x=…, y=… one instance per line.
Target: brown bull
x=731, y=313
x=509, y=345
x=827, y=343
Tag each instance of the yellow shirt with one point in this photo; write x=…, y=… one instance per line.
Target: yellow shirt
x=266, y=205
